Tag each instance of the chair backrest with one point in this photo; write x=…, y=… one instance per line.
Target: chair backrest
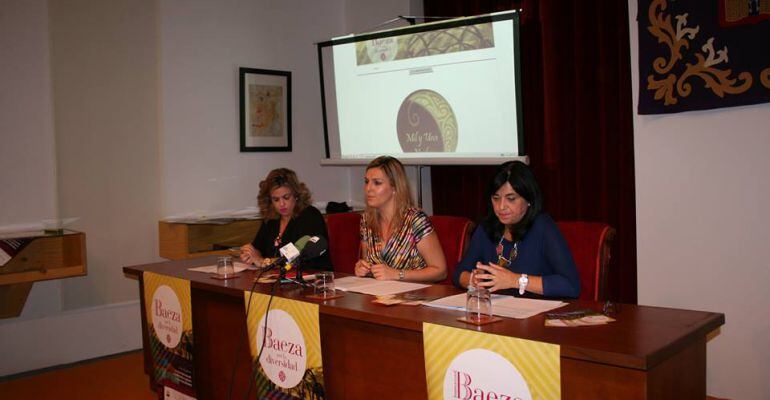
x=344, y=240
x=589, y=243
x=454, y=235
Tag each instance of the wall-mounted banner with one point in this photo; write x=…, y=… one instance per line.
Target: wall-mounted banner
x=170, y=330
x=290, y=366
x=697, y=55
x=467, y=365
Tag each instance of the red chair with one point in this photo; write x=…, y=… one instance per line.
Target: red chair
x=589, y=243
x=344, y=240
x=454, y=235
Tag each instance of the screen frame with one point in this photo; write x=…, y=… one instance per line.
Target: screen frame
x=425, y=27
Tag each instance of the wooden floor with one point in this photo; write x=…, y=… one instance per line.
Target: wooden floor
x=117, y=377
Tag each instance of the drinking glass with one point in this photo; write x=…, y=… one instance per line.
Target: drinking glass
x=225, y=267
x=478, y=305
x=324, y=284
x=610, y=308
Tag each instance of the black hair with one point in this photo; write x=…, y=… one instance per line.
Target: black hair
x=523, y=181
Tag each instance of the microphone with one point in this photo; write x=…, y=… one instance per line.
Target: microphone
x=305, y=248
x=289, y=252
x=314, y=247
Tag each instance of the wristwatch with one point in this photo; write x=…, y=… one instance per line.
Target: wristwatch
x=401, y=274
x=523, y=281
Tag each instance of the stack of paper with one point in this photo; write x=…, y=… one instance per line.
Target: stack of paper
x=214, y=217
x=504, y=306
x=583, y=317
x=212, y=269
x=375, y=287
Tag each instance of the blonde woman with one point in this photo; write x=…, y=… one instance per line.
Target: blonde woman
x=397, y=239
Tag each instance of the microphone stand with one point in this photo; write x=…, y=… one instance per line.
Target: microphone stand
x=281, y=272
x=300, y=279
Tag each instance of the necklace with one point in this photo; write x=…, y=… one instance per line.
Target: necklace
x=385, y=231
x=512, y=255
x=277, y=241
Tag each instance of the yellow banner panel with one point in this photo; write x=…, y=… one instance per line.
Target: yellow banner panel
x=469, y=365
x=289, y=339
x=170, y=331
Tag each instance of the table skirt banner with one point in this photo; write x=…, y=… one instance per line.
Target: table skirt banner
x=464, y=364
x=289, y=339
x=170, y=331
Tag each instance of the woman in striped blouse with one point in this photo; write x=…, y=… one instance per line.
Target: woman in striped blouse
x=397, y=239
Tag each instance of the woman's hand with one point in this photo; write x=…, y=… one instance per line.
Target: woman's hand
x=495, y=277
x=250, y=255
x=384, y=273
x=363, y=268
x=473, y=279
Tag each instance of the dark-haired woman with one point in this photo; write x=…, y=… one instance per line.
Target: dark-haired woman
x=285, y=205
x=518, y=249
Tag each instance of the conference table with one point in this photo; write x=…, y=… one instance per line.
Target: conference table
x=373, y=351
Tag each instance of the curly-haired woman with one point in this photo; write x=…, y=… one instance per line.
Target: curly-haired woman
x=287, y=212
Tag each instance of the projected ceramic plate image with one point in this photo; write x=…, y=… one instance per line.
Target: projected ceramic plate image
x=426, y=123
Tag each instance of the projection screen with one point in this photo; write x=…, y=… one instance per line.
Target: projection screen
x=447, y=92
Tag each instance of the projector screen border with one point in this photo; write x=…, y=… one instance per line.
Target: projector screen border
x=426, y=161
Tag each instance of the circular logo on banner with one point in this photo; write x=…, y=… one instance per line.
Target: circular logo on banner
x=426, y=123
x=284, y=357
x=167, y=316
x=484, y=374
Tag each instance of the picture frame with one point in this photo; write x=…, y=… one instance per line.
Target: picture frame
x=265, y=109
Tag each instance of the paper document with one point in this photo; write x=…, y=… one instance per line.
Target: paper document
x=4, y=257
x=582, y=317
x=212, y=269
x=214, y=217
x=375, y=287
x=504, y=306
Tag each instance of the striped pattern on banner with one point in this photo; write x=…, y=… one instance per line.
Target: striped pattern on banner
x=306, y=317
x=538, y=362
x=172, y=367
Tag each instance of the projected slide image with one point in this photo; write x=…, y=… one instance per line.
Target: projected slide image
x=415, y=45
x=426, y=123
x=446, y=94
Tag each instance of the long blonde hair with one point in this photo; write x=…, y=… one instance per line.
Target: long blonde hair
x=394, y=170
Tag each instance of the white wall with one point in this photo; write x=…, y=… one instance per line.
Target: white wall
x=97, y=63
x=27, y=162
x=702, y=225
x=203, y=45
x=145, y=118
x=27, y=158
x=104, y=63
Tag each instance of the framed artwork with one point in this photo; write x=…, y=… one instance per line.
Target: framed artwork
x=265, y=100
